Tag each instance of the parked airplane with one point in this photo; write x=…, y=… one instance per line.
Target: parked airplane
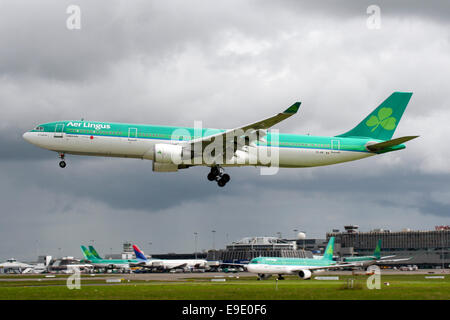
x=69, y=265
x=376, y=258
x=167, y=264
x=123, y=264
x=173, y=148
x=94, y=252
x=265, y=267
x=14, y=266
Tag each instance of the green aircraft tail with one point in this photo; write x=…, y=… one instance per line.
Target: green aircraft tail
x=383, y=121
x=94, y=252
x=86, y=253
x=328, y=254
x=377, y=252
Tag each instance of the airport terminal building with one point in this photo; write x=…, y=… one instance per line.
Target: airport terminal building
x=428, y=249
x=252, y=247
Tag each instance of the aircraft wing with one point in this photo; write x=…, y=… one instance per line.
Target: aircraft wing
x=387, y=257
x=183, y=265
x=393, y=260
x=334, y=266
x=139, y=264
x=238, y=137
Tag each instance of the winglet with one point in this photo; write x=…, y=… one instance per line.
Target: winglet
x=293, y=109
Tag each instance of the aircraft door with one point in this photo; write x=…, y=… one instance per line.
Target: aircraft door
x=132, y=134
x=59, y=129
x=335, y=146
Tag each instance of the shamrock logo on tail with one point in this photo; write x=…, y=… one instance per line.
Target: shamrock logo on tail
x=384, y=119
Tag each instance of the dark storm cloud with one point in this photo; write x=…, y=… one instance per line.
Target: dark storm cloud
x=433, y=207
x=130, y=185
x=110, y=32
x=435, y=9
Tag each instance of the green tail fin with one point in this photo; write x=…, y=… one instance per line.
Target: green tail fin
x=94, y=252
x=328, y=254
x=86, y=253
x=383, y=121
x=377, y=252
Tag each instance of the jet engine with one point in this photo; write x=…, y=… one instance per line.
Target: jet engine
x=262, y=276
x=167, y=157
x=168, y=153
x=304, y=274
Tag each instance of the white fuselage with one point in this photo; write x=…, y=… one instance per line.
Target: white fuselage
x=144, y=149
x=262, y=268
x=174, y=263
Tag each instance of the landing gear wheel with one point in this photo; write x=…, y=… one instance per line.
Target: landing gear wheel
x=216, y=171
x=221, y=183
x=62, y=163
x=217, y=174
x=225, y=178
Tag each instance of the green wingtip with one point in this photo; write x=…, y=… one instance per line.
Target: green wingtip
x=293, y=109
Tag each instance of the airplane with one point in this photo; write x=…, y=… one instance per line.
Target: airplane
x=20, y=267
x=265, y=267
x=174, y=148
x=365, y=261
x=14, y=265
x=94, y=252
x=167, y=264
x=69, y=265
x=98, y=262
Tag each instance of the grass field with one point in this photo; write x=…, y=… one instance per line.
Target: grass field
x=400, y=287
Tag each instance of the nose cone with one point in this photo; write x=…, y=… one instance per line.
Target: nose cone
x=27, y=136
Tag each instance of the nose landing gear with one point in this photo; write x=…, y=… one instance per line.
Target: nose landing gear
x=217, y=174
x=62, y=163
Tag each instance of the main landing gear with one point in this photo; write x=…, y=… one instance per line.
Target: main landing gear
x=217, y=174
x=62, y=163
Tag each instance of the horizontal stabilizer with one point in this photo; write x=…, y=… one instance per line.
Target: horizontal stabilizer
x=390, y=143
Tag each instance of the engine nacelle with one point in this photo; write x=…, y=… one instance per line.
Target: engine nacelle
x=168, y=153
x=304, y=274
x=164, y=167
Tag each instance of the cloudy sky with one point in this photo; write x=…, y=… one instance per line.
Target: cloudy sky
x=226, y=63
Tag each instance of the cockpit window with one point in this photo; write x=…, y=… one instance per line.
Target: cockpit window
x=254, y=262
x=39, y=128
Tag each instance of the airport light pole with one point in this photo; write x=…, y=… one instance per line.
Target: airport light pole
x=195, y=252
x=214, y=243
x=442, y=250
x=279, y=234
x=304, y=239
